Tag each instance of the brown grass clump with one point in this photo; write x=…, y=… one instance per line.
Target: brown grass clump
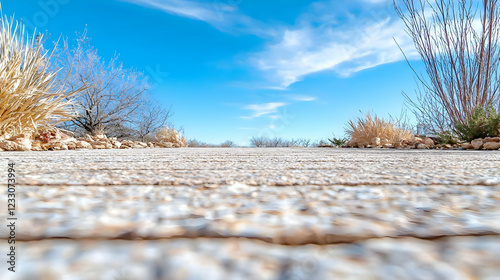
x=28, y=98
x=363, y=130
x=168, y=136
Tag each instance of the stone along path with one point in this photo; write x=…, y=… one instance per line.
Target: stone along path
x=241, y=213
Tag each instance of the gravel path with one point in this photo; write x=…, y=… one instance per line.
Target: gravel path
x=244, y=213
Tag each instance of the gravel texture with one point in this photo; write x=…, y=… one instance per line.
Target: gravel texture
x=213, y=259
x=246, y=213
x=256, y=167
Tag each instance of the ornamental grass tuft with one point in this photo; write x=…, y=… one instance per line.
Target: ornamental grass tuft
x=28, y=98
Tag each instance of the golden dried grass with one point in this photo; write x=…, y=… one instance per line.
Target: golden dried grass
x=363, y=130
x=170, y=135
x=28, y=97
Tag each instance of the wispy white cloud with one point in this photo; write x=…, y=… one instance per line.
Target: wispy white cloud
x=224, y=16
x=344, y=37
x=332, y=37
x=266, y=109
x=304, y=98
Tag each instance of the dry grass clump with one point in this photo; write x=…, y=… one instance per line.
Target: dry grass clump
x=171, y=136
x=28, y=99
x=363, y=130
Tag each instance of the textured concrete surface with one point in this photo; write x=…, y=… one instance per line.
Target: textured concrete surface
x=244, y=213
x=281, y=166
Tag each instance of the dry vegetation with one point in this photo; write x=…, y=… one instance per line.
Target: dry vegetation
x=167, y=136
x=363, y=130
x=458, y=42
x=29, y=100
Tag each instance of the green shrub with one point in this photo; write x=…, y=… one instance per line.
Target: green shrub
x=447, y=137
x=339, y=142
x=482, y=123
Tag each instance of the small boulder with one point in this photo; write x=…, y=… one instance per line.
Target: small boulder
x=83, y=145
x=23, y=140
x=9, y=145
x=36, y=146
x=422, y=146
x=477, y=143
x=375, y=141
x=429, y=142
x=492, y=145
x=468, y=146
x=116, y=144
x=492, y=139
x=417, y=140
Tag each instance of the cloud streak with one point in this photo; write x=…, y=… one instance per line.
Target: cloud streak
x=344, y=37
x=226, y=17
x=345, y=43
x=261, y=110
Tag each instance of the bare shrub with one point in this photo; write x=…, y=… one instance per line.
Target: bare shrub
x=460, y=50
x=113, y=95
x=277, y=142
x=228, y=144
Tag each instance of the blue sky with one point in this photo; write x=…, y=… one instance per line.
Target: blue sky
x=233, y=69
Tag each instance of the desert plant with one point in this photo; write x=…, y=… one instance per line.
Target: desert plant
x=338, y=142
x=363, y=130
x=228, y=144
x=28, y=98
x=302, y=142
x=113, y=94
x=482, y=123
x=151, y=117
x=447, y=137
x=461, y=53
x=171, y=135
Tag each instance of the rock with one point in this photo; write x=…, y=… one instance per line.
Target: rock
x=164, y=144
x=150, y=138
x=141, y=144
x=151, y=144
x=492, y=139
x=116, y=144
x=422, y=146
x=492, y=145
x=9, y=145
x=447, y=146
x=23, y=140
x=83, y=145
x=98, y=145
x=36, y=146
x=417, y=140
x=385, y=141
x=477, y=143
x=71, y=145
x=388, y=146
x=375, y=141
x=468, y=146
x=57, y=145
x=429, y=142
x=64, y=146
